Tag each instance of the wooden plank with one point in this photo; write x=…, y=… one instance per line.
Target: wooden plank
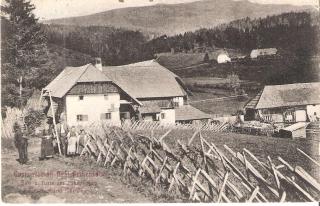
x=254, y=194
x=310, y=158
x=262, y=164
x=209, y=179
x=205, y=162
x=225, y=179
x=274, y=173
x=161, y=169
x=283, y=196
x=193, y=136
x=256, y=174
x=54, y=122
x=163, y=136
x=307, y=178
x=245, y=182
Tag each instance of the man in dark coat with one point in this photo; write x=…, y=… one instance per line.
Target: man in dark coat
x=21, y=144
x=62, y=130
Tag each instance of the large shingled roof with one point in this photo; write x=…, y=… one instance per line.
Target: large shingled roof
x=146, y=79
x=71, y=75
x=288, y=95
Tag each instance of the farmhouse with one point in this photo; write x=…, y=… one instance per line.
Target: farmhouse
x=220, y=56
x=288, y=103
x=263, y=52
x=141, y=91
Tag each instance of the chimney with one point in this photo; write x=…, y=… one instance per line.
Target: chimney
x=98, y=63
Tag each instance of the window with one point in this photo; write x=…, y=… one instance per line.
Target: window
x=106, y=97
x=112, y=107
x=105, y=116
x=82, y=118
x=81, y=97
x=163, y=115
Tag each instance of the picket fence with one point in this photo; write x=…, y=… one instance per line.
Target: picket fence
x=152, y=125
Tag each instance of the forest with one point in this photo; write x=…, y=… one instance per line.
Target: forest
x=296, y=32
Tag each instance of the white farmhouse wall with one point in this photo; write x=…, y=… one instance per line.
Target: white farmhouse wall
x=301, y=116
x=92, y=105
x=169, y=116
x=313, y=112
x=179, y=100
x=223, y=58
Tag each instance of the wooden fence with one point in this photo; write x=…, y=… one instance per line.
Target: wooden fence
x=152, y=125
x=197, y=170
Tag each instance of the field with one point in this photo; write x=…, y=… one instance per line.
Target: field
x=214, y=105
x=180, y=60
x=212, y=95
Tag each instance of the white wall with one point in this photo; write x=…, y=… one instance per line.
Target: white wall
x=179, y=100
x=92, y=105
x=311, y=109
x=223, y=58
x=170, y=116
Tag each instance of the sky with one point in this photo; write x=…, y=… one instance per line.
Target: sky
x=52, y=9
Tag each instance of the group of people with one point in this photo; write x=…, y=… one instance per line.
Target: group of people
x=70, y=143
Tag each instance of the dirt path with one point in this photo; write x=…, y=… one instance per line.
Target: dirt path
x=61, y=180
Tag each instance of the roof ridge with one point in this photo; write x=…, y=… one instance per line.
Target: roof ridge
x=87, y=66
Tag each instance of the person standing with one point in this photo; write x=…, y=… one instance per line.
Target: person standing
x=47, y=150
x=62, y=132
x=21, y=143
x=81, y=141
x=72, y=141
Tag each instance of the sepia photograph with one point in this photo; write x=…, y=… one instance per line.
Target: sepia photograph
x=160, y=101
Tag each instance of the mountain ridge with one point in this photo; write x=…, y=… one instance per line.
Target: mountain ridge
x=173, y=19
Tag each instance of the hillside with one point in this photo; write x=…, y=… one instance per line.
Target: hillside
x=177, y=18
x=59, y=58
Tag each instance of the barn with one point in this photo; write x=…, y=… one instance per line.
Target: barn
x=140, y=91
x=288, y=103
x=263, y=52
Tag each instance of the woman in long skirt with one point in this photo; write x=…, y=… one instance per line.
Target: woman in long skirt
x=47, y=150
x=72, y=141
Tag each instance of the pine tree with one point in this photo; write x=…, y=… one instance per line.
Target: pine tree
x=24, y=50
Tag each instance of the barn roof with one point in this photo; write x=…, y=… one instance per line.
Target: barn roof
x=71, y=75
x=188, y=112
x=146, y=79
x=253, y=102
x=265, y=50
x=289, y=95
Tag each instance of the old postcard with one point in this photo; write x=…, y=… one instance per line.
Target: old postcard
x=160, y=101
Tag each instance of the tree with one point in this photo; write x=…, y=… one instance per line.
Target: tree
x=24, y=50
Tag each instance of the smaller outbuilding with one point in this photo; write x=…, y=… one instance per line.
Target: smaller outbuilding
x=263, y=52
x=297, y=130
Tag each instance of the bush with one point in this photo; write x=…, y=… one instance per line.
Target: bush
x=33, y=119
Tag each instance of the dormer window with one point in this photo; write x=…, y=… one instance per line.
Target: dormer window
x=81, y=97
